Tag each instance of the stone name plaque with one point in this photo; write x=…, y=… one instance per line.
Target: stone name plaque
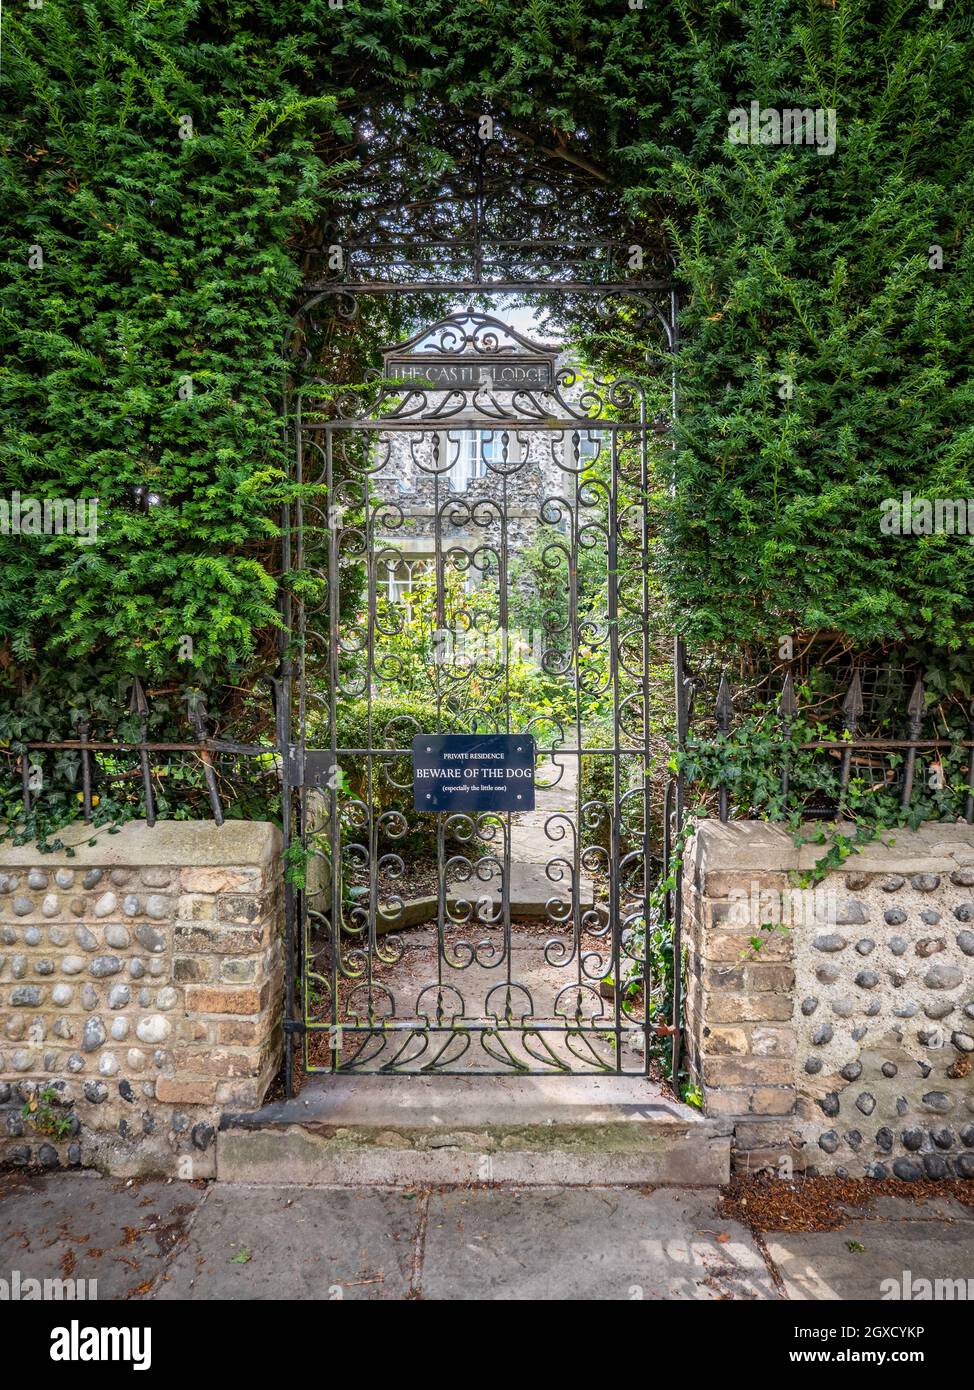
x=447, y=374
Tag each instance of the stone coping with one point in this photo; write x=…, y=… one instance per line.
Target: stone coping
x=183, y=843
x=935, y=847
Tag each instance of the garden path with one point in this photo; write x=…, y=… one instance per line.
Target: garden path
x=540, y=839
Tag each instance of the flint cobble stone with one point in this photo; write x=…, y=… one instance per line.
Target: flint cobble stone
x=878, y=1037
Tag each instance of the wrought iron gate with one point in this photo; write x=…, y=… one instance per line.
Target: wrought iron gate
x=474, y=554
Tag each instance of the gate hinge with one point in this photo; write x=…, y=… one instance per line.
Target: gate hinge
x=317, y=769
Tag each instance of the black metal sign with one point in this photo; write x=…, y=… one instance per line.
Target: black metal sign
x=445, y=373
x=473, y=772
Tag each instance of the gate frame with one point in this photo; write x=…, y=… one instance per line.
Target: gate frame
x=655, y=297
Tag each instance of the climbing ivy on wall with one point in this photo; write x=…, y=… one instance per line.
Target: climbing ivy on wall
x=162, y=162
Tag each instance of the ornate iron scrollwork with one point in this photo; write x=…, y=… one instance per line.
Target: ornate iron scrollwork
x=431, y=500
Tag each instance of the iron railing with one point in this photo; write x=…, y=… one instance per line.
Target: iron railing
x=201, y=750
x=881, y=741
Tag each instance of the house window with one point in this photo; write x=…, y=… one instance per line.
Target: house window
x=476, y=449
x=577, y=448
x=592, y=444
x=398, y=580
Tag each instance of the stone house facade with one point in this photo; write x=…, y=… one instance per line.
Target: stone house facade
x=471, y=461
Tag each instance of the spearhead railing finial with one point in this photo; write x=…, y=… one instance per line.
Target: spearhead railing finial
x=853, y=705
x=725, y=712
x=915, y=709
x=852, y=710
x=138, y=704
x=724, y=709
x=787, y=710
x=917, y=706
x=788, y=704
x=198, y=719
x=969, y=803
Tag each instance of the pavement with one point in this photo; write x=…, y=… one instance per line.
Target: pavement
x=172, y=1240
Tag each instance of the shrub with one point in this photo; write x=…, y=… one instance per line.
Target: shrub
x=826, y=327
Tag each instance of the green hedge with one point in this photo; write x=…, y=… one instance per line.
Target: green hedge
x=143, y=351
x=144, y=347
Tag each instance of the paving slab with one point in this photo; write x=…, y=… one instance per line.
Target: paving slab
x=172, y=1240
x=590, y=1244
x=309, y=1244
x=935, y=1208
x=80, y=1226
x=853, y=1263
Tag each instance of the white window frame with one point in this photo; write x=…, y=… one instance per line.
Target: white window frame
x=397, y=589
x=592, y=442
x=474, y=448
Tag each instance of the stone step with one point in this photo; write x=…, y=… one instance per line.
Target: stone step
x=523, y=1130
x=530, y=892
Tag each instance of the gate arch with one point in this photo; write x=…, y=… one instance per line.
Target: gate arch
x=507, y=222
